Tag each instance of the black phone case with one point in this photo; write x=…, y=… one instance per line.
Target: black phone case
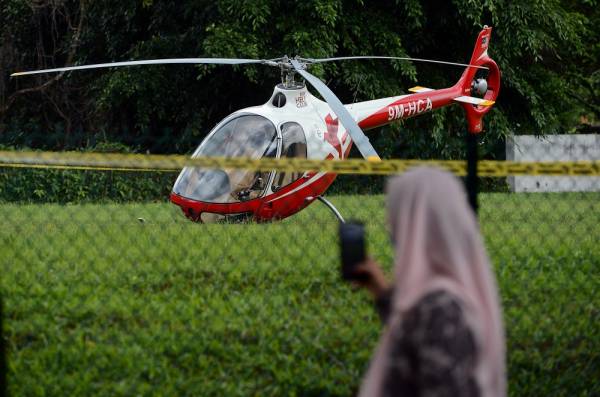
x=352, y=249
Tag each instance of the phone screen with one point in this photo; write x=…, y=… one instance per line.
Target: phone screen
x=352, y=249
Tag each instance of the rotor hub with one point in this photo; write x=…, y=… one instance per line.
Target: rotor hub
x=479, y=86
x=288, y=72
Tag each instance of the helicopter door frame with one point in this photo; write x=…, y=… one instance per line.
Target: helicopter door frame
x=280, y=151
x=279, y=137
x=268, y=187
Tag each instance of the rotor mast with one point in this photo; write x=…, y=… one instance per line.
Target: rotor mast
x=288, y=73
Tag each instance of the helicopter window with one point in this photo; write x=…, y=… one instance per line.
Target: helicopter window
x=293, y=146
x=249, y=136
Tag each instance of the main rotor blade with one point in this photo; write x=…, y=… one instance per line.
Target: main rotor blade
x=217, y=61
x=359, y=138
x=321, y=60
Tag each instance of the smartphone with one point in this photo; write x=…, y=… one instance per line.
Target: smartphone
x=352, y=249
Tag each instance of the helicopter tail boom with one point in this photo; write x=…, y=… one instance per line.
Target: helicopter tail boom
x=475, y=95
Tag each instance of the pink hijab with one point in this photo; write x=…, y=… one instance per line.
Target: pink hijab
x=438, y=246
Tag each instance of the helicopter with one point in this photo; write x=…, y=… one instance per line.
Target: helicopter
x=295, y=124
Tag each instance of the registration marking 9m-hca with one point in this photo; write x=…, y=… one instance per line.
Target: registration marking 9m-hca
x=409, y=109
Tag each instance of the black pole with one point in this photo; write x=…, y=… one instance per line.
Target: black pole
x=471, y=179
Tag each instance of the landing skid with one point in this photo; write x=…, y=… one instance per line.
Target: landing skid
x=332, y=208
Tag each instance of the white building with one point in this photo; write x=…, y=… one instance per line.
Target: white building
x=553, y=148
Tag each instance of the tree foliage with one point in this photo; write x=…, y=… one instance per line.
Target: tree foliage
x=547, y=51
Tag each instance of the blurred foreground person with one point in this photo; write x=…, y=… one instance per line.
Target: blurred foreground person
x=443, y=329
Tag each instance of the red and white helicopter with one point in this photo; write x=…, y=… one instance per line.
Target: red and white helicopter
x=295, y=124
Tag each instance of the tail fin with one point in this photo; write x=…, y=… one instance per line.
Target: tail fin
x=481, y=45
x=475, y=112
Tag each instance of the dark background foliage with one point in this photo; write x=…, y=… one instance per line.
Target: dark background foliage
x=130, y=288
x=547, y=51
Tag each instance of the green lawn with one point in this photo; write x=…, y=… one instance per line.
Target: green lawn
x=99, y=303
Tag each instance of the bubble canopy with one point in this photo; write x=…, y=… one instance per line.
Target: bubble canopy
x=250, y=136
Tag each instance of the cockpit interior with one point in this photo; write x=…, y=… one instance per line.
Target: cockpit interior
x=250, y=136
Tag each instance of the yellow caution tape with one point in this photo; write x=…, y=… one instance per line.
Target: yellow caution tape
x=170, y=163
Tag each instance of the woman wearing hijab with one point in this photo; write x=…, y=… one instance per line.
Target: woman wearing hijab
x=443, y=331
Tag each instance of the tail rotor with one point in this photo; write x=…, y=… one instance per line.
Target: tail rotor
x=474, y=83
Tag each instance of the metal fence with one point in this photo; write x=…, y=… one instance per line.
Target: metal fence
x=111, y=289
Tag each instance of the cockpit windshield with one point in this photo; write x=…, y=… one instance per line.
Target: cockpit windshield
x=250, y=136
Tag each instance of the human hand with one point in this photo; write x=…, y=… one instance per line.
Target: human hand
x=374, y=279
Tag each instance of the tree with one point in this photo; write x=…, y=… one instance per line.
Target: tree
x=547, y=51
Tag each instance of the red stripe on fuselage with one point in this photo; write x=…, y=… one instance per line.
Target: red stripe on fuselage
x=410, y=106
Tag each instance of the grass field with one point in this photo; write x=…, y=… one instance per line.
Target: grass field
x=99, y=303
